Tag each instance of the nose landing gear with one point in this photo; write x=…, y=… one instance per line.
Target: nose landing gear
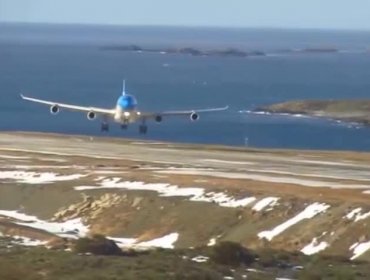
x=124, y=124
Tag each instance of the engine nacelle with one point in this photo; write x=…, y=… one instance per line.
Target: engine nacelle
x=194, y=117
x=54, y=109
x=158, y=118
x=91, y=116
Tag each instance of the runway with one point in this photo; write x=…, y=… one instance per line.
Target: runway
x=308, y=168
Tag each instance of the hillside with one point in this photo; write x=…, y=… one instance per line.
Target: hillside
x=345, y=110
x=302, y=205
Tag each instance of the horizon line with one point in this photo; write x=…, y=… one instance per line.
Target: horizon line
x=282, y=28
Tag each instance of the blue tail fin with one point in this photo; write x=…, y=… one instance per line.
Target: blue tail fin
x=124, y=87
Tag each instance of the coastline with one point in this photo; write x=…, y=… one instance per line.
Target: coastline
x=350, y=111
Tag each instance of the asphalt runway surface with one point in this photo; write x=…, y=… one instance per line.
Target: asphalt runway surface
x=311, y=168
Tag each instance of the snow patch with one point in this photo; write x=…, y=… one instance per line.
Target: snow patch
x=162, y=242
x=167, y=190
x=314, y=247
x=166, y=242
x=25, y=241
x=71, y=228
x=28, y=167
x=123, y=242
x=353, y=213
x=359, y=249
x=200, y=259
x=36, y=177
x=264, y=202
x=356, y=215
x=308, y=213
x=212, y=242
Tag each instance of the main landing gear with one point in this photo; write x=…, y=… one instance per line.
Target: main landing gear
x=104, y=127
x=143, y=128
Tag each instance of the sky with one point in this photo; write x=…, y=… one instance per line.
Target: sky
x=322, y=14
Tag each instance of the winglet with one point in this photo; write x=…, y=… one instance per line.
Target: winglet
x=124, y=87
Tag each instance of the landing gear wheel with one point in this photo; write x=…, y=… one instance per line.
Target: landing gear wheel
x=104, y=127
x=143, y=129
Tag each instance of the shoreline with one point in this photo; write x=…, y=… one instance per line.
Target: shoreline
x=348, y=111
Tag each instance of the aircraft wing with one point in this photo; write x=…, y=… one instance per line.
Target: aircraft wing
x=183, y=113
x=187, y=112
x=70, y=107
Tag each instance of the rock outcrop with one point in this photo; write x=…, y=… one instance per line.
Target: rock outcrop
x=89, y=207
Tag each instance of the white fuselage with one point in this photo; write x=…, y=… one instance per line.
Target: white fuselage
x=126, y=116
x=126, y=109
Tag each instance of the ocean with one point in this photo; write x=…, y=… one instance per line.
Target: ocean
x=68, y=63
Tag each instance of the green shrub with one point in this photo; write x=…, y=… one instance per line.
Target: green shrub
x=12, y=271
x=310, y=275
x=198, y=275
x=231, y=253
x=343, y=273
x=272, y=258
x=97, y=245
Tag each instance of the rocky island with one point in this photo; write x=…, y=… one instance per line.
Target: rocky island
x=357, y=111
x=223, y=52
x=228, y=52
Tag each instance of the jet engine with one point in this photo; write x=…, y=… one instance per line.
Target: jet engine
x=194, y=117
x=91, y=116
x=54, y=109
x=158, y=118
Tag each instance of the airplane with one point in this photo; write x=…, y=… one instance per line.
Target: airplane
x=125, y=112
